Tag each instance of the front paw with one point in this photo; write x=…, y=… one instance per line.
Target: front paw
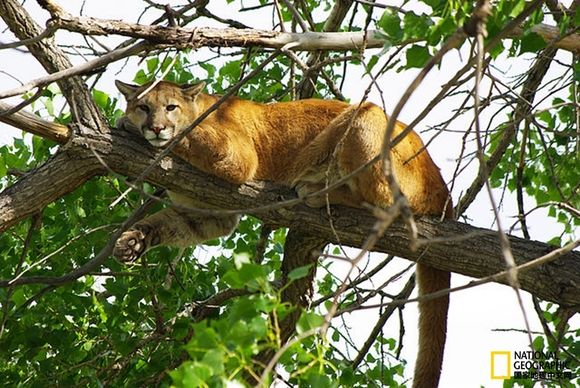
x=130, y=246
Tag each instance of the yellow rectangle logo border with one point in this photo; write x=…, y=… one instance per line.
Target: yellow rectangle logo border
x=509, y=364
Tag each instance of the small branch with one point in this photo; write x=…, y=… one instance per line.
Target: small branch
x=262, y=243
x=203, y=309
x=522, y=110
x=48, y=32
x=296, y=15
x=332, y=24
x=404, y=294
x=84, y=68
x=39, y=262
x=203, y=11
x=90, y=265
x=357, y=281
x=23, y=104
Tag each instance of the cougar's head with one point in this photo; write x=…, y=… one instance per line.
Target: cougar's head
x=161, y=112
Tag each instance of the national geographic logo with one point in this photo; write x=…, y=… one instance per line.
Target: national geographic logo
x=528, y=364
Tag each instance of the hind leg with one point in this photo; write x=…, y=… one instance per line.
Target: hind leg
x=349, y=142
x=362, y=143
x=342, y=195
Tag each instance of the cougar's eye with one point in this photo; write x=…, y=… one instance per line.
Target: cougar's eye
x=170, y=107
x=144, y=108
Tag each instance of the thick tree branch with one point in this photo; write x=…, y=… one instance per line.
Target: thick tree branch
x=29, y=122
x=63, y=173
x=454, y=246
x=459, y=248
x=53, y=60
x=177, y=37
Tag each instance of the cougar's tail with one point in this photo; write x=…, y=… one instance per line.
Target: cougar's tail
x=432, y=326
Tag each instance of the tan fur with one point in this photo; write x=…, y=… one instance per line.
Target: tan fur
x=304, y=144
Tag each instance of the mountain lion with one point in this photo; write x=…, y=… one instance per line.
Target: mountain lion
x=302, y=144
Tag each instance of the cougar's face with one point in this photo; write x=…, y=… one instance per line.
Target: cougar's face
x=156, y=117
x=160, y=113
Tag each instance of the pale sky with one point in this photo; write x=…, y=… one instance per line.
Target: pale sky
x=474, y=313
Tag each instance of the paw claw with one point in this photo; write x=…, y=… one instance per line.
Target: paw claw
x=130, y=246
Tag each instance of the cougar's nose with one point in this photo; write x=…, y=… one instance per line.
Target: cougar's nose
x=157, y=130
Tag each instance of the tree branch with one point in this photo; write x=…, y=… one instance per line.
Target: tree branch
x=63, y=173
x=53, y=60
x=179, y=38
x=87, y=67
x=522, y=110
x=451, y=246
x=29, y=122
x=404, y=294
x=332, y=24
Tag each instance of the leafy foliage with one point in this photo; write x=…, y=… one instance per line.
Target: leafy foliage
x=147, y=324
x=560, y=340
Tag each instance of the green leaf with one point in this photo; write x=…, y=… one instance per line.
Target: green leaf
x=516, y=7
x=191, y=374
x=101, y=98
x=538, y=343
x=308, y=321
x=320, y=380
x=417, y=56
x=390, y=23
x=141, y=77
x=152, y=64
x=215, y=358
x=49, y=105
x=416, y=26
x=300, y=272
x=347, y=377
x=547, y=118
x=532, y=43
x=248, y=275
x=372, y=62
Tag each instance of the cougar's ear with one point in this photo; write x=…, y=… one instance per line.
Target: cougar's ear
x=192, y=91
x=128, y=90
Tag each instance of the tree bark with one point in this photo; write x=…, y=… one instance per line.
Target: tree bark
x=32, y=123
x=178, y=37
x=454, y=246
x=60, y=175
x=53, y=59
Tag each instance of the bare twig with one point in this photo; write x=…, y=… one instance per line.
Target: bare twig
x=48, y=32
x=77, y=70
x=372, y=337
x=297, y=17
